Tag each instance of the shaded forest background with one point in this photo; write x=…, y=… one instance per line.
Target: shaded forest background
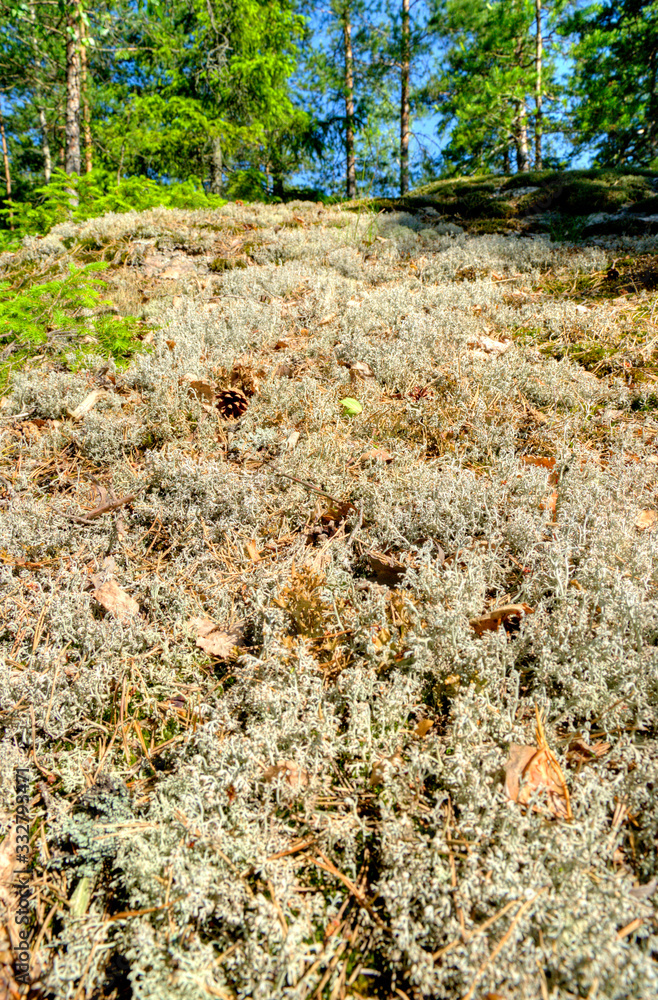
x=126, y=103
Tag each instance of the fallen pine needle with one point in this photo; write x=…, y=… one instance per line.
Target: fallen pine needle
x=501, y=944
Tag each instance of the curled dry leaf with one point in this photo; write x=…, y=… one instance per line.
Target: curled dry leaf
x=215, y=641
x=337, y=513
x=539, y=460
x=377, y=455
x=200, y=388
x=87, y=404
x=490, y=346
x=509, y=615
x=423, y=727
x=362, y=369
x=386, y=569
x=531, y=769
x=295, y=776
x=252, y=550
x=646, y=519
x=115, y=600
x=327, y=319
x=292, y=440
x=246, y=376
x=580, y=752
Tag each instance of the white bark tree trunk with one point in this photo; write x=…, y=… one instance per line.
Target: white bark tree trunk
x=538, y=94
x=72, y=161
x=350, y=167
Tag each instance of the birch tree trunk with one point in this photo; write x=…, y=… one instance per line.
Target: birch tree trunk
x=521, y=138
x=72, y=160
x=350, y=187
x=216, y=166
x=404, y=99
x=45, y=146
x=538, y=95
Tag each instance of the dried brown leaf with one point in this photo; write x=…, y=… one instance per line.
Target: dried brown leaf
x=519, y=755
x=423, y=727
x=215, y=641
x=362, y=369
x=201, y=388
x=531, y=769
x=508, y=615
x=252, y=550
x=539, y=460
x=377, y=455
x=202, y=626
x=646, y=519
x=386, y=569
x=116, y=600
x=338, y=512
x=295, y=776
x=580, y=752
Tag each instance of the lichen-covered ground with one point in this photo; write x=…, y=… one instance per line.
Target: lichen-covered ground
x=265, y=703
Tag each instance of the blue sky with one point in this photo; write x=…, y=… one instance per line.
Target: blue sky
x=424, y=128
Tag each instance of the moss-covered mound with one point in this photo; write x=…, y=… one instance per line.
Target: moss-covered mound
x=566, y=205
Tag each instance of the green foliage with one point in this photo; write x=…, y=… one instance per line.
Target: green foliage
x=30, y=313
x=352, y=407
x=97, y=193
x=33, y=314
x=614, y=83
x=484, y=79
x=117, y=335
x=214, y=97
x=566, y=228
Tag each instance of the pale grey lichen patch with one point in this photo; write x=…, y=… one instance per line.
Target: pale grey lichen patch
x=203, y=796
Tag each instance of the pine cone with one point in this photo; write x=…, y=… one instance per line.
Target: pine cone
x=231, y=403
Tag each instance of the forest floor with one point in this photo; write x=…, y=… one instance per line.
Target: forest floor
x=329, y=622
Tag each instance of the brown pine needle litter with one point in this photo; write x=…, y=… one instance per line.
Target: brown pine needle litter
x=335, y=701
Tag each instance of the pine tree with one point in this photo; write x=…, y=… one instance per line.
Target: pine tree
x=495, y=59
x=615, y=83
